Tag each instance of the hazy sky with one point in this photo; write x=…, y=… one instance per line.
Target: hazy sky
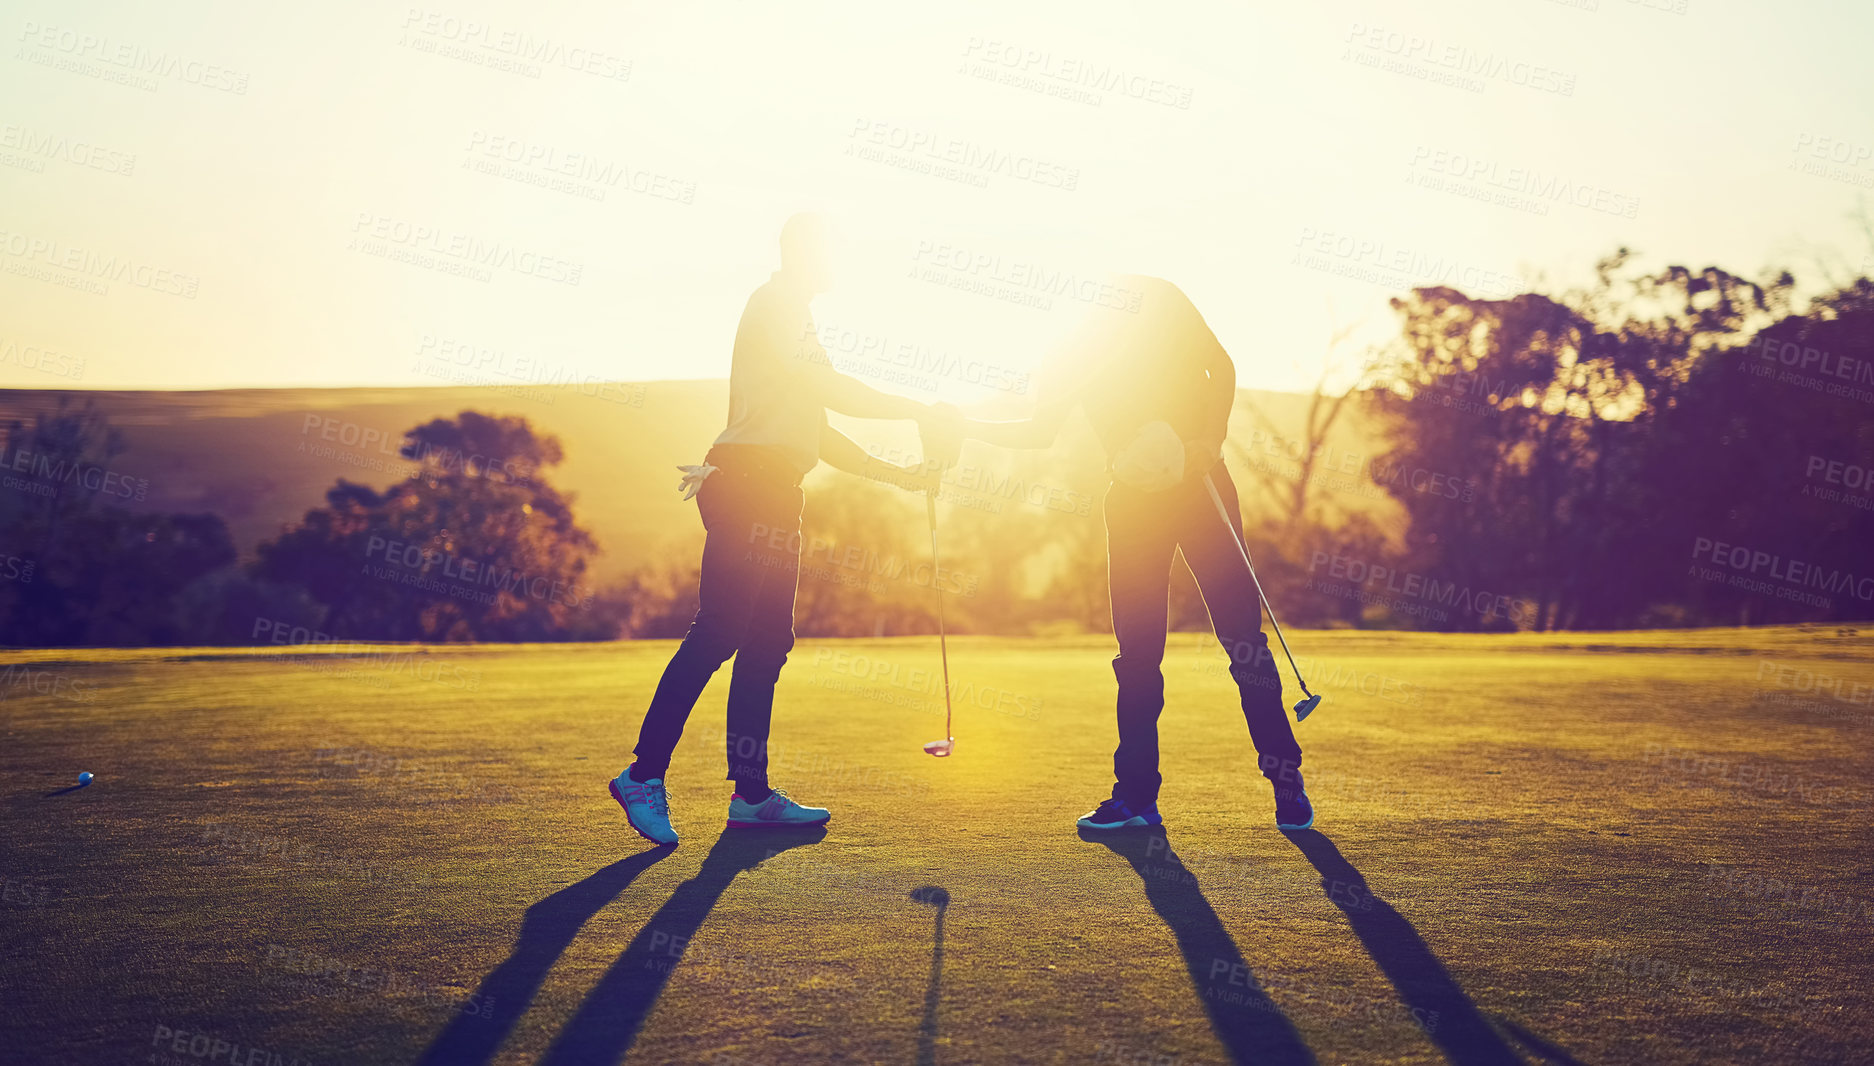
x=219, y=194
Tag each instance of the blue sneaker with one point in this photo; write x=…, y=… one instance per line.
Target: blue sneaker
x=1116, y=813
x=777, y=811
x=1293, y=808
x=647, y=807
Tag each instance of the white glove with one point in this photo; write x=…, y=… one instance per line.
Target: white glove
x=693, y=478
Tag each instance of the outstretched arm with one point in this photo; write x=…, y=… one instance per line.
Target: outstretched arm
x=808, y=367
x=1038, y=431
x=843, y=453
x=845, y=394
x=850, y=396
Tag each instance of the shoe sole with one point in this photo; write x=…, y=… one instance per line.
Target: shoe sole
x=1135, y=822
x=733, y=824
x=613, y=786
x=1309, y=824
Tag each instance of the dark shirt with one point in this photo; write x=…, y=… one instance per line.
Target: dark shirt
x=1127, y=368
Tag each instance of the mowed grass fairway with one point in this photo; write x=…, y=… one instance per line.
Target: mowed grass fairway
x=1528, y=850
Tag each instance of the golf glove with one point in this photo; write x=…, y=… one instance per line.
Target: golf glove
x=693, y=478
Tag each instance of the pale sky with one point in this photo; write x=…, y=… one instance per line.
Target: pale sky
x=307, y=184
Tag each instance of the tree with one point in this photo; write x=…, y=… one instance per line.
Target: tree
x=76, y=566
x=1760, y=450
x=473, y=545
x=1553, y=408
x=1324, y=410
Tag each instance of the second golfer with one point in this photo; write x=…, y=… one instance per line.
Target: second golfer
x=1158, y=389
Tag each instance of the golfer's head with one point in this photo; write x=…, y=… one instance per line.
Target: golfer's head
x=807, y=245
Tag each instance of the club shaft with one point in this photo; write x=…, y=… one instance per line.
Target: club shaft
x=1230, y=522
x=943, y=641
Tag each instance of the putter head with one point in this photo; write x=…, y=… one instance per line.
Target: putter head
x=1306, y=707
x=941, y=748
x=933, y=895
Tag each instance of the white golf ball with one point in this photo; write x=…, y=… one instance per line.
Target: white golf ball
x=84, y=778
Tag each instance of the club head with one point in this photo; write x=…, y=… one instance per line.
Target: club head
x=1306, y=707
x=941, y=748
x=933, y=895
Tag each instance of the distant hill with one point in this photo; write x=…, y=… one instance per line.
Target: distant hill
x=260, y=458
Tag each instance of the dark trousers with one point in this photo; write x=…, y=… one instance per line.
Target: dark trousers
x=751, y=563
x=1142, y=529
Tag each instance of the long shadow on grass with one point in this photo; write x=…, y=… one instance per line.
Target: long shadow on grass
x=547, y=928
x=1247, y=1022
x=1447, y=1014
x=607, y=1023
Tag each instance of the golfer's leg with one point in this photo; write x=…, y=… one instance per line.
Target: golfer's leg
x=769, y=638
x=1210, y=549
x=730, y=584
x=1138, y=560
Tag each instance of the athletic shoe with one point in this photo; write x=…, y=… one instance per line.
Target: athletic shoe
x=647, y=807
x=1293, y=809
x=776, y=810
x=1116, y=813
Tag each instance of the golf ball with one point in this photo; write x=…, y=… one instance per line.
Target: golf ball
x=84, y=778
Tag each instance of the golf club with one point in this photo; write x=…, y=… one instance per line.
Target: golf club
x=939, y=748
x=1304, y=707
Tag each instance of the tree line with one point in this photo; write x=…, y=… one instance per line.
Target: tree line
x=1676, y=447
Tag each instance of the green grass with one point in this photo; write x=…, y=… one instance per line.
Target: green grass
x=1510, y=828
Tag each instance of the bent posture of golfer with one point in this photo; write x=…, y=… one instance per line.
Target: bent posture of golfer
x=1158, y=388
x=748, y=490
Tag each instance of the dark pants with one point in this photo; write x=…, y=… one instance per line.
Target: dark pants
x=1142, y=529
x=751, y=562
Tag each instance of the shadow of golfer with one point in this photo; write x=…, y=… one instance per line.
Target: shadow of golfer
x=1247, y=1022
x=607, y=1023
x=927, y=1032
x=547, y=929
x=1446, y=1013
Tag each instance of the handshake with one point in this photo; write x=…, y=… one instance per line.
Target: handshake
x=940, y=433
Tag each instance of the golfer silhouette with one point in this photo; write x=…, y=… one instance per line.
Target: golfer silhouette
x=781, y=384
x=1158, y=388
